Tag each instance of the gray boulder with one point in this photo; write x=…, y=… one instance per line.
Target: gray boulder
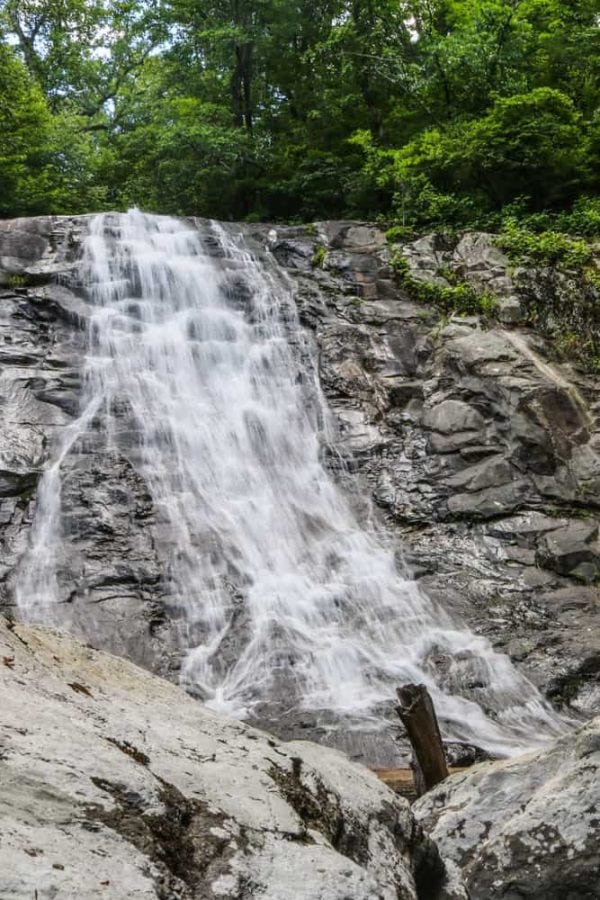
x=572, y=550
x=116, y=784
x=527, y=827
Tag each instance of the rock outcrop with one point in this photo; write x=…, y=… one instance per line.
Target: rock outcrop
x=528, y=827
x=109, y=560
x=481, y=451
x=116, y=784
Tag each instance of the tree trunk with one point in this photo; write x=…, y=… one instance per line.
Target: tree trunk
x=241, y=87
x=418, y=716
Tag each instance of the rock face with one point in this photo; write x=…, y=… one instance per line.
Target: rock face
x=109, y=555
x=481, y=452
x=117, y=784
x=529, y=827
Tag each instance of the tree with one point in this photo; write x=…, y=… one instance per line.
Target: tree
x=437, y=111
x=25, y=132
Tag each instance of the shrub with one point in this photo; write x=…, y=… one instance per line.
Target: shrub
x=318, y=257
x=547, y=247
x=459, y=298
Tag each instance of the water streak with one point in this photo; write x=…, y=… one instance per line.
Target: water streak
x=287, y=596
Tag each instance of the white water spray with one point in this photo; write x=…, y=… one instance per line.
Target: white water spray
x=286, y=595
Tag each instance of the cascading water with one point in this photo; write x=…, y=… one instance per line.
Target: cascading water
x=285, y=595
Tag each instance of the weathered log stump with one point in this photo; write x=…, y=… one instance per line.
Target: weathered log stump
x=417, y=714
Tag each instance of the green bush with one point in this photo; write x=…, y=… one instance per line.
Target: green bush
x=584, y=219
x=458, y=298
x=398, y=233
x=318, y=257
x=527, y=154
x=400, y=266
x=547, y=247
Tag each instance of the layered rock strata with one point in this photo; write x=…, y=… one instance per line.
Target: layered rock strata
x=481, y=449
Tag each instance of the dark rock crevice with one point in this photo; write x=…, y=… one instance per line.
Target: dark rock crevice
x=320, y=810
x=182, y=840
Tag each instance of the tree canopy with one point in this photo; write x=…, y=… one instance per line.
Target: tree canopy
x=424, y=112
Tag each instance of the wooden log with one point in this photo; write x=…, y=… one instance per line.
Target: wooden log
x=401, y=781
x=418, y=716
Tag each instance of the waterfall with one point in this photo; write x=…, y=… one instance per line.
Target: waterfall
x=286, y=593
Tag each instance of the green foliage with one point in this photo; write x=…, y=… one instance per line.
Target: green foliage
x=533, y=144
x=591, y=277
x=25, y=127
x=455, y=298
x=443, y=115
x=400, y=266
x=583, y=350
x=584, y=219
x=318, y=257
x=547, y=247
x=398, y=233
x=17, y=281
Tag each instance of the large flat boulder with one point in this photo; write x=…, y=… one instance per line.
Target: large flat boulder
x=116, y=784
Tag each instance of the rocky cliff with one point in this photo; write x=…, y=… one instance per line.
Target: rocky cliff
x=481, y=449
x=478, y=448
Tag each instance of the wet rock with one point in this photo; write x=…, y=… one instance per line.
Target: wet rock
x=527, y=827
x=23, y=242
x=510, y=310
x=450, y=416
x=476, y=252
x=35, y=248
x=572, y=550
x=477, y=446
x=294, y=254
x=117, y=784
x=474, y=443
x=109, y=578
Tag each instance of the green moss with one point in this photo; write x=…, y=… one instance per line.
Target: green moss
x=17, y=281
x=449, y=274
x=398, y=233
x=591, y=277
x=310, y=229
x=318, y=258
x=400, y=266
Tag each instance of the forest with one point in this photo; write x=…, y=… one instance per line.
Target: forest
x=418, y=114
